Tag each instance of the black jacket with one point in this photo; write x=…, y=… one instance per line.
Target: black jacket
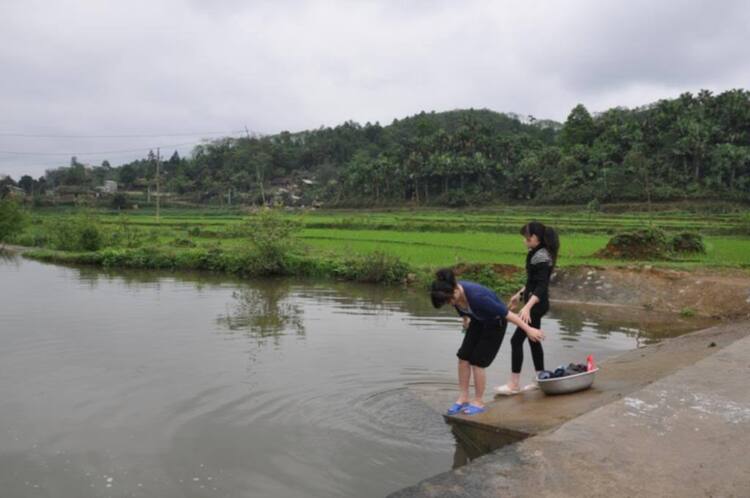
x=538, y=272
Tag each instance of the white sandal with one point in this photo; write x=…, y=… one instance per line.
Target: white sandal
x=530, y=387
x=504, y=390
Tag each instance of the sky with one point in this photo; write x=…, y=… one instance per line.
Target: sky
x=111, y=80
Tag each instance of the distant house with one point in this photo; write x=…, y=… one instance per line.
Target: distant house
x=109, y=187
x=74, y=191
x=15, y=191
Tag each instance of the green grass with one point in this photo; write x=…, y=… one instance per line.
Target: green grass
x=439, y=248
x=435, y=249
x=427, y=239
x=499, y=220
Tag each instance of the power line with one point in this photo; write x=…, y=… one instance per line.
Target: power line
x=139, y=149
x=154, y=135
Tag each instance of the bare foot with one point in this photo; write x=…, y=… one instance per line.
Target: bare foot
x=507, y=389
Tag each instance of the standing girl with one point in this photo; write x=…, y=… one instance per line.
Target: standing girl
x=543, y=245
x=485, y=319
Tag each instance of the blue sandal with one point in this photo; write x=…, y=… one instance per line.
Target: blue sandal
x=456, y=408
x=474, y=410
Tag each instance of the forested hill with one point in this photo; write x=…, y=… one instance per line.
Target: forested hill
x=693, y=146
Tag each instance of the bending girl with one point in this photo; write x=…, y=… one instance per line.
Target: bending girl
x=485, y=319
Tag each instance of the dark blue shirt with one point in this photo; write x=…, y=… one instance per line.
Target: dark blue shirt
x=484, y=305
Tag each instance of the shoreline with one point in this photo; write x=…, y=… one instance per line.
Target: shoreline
x=701, y=292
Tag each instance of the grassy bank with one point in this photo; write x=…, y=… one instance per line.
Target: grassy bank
x=368, y=246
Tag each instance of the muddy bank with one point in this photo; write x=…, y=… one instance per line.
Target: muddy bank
x=714, y=293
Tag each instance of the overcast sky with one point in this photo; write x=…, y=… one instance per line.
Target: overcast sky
x=190, y=68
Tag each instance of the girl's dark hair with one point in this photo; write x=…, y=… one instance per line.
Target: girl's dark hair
x=547, y=236
x=442, y=288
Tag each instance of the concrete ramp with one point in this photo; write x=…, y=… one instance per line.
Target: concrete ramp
x=686, y=434
x=531, y=413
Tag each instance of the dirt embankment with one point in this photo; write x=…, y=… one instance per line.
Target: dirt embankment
x=720, y=294
x=13, y=249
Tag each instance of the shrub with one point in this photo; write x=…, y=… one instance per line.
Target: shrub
x=120, y=201
x=377, y=267
x=30, y=239
x=12, y=219
x=457, y=199
x=75, y=233
x=273, y=239
x=593, y=206
x=179, y=242
x=649, y=243
x=90, y=238
x=689, y=243
x=124, y=234
x=687, y=312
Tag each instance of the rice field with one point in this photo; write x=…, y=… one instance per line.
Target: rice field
x=437, y=238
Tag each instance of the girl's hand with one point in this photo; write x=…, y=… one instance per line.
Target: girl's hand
x=467, y=320
x=525, y=315
x=535, y=335
x=514, y=300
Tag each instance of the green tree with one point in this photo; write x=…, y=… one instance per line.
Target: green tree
x=273, y=237
x=579, y=128
x=27, y=184
x=692, y=146
x=120, y=201
x=12, y=219
x=128, y=175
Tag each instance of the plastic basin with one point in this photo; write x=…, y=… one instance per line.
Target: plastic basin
x=568, y=384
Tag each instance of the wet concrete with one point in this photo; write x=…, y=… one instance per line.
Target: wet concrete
x=534, y=412
x=672, y=419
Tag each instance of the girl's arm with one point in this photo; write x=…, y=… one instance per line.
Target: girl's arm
x=534, y=334
x=496, y=308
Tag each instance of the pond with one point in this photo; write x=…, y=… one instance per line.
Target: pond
x=164, y=384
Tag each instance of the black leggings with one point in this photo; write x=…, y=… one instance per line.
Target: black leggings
x=516, y=343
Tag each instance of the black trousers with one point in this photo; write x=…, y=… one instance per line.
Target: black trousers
x=519, y=337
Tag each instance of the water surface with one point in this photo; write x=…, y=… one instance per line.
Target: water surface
x=157, y=384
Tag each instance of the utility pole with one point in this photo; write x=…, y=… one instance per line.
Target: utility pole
x=158, y=160
x=257, y=171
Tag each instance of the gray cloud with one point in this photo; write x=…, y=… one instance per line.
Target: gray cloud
x=609, y=45
x=99, y=68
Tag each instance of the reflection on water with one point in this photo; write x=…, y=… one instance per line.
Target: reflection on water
x=165, y=384
x=264, y=313
x=8, y=257
x=603, y=322
x=574, y=323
